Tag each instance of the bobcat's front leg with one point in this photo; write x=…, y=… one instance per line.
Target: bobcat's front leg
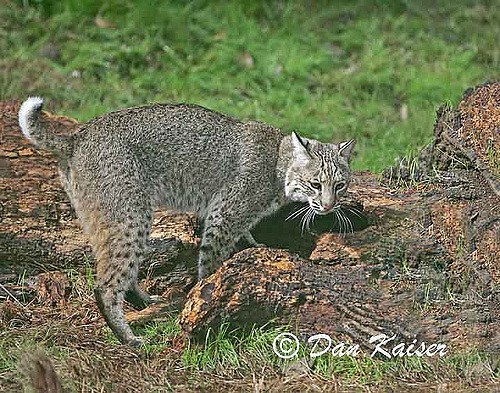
x=231, y=215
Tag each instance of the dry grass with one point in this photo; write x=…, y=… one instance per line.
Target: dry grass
x=88, y=359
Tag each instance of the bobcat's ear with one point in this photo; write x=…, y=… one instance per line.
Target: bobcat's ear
x=299, y=147
x=345, y=148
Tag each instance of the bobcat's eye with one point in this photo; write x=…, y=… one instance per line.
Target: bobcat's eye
x=339, y=186
x=316, y=185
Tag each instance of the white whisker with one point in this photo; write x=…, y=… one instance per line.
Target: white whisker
x=302, y=222
x=297, y=212
x=313, y=217
x=310, y=220
x=355, y=211
x=348, y=221
x=339, y=221
x=305, y=220
x=344, y=224
x=355, y=208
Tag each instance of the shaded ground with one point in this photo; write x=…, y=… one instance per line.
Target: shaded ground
x=421, y=262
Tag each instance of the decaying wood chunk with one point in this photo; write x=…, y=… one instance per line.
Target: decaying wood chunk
x=53, y=288
x=480, y=117
x=257, y=285
x=248, y=281
x=154, y=311
x=12, y=311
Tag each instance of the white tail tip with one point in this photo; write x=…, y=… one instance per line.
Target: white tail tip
x=29, y=106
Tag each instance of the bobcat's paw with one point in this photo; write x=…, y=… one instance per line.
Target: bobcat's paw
x=136, y=342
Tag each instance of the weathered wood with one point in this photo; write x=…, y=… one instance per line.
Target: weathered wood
x=155, y=311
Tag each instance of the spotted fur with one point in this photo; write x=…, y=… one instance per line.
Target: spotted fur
x=119, y=167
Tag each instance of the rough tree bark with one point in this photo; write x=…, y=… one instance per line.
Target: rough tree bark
x=421, y=260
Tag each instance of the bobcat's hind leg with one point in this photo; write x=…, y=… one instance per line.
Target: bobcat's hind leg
x=120, y=247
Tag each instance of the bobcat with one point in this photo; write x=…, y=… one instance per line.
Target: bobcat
x=116, y=169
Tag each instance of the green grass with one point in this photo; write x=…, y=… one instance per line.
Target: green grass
x=11, y=351
x=332, y=70
x=235, y=350
x=230, y=353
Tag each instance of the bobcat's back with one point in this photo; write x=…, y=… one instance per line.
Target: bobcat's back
x=183, y=154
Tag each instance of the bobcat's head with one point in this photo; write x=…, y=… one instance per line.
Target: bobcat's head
x=318, y=173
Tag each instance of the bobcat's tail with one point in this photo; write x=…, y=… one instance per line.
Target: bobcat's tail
x=36, y=130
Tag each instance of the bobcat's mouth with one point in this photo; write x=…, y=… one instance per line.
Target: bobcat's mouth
x=322, y=211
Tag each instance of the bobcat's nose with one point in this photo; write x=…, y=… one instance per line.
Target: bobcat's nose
x=327, y=207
